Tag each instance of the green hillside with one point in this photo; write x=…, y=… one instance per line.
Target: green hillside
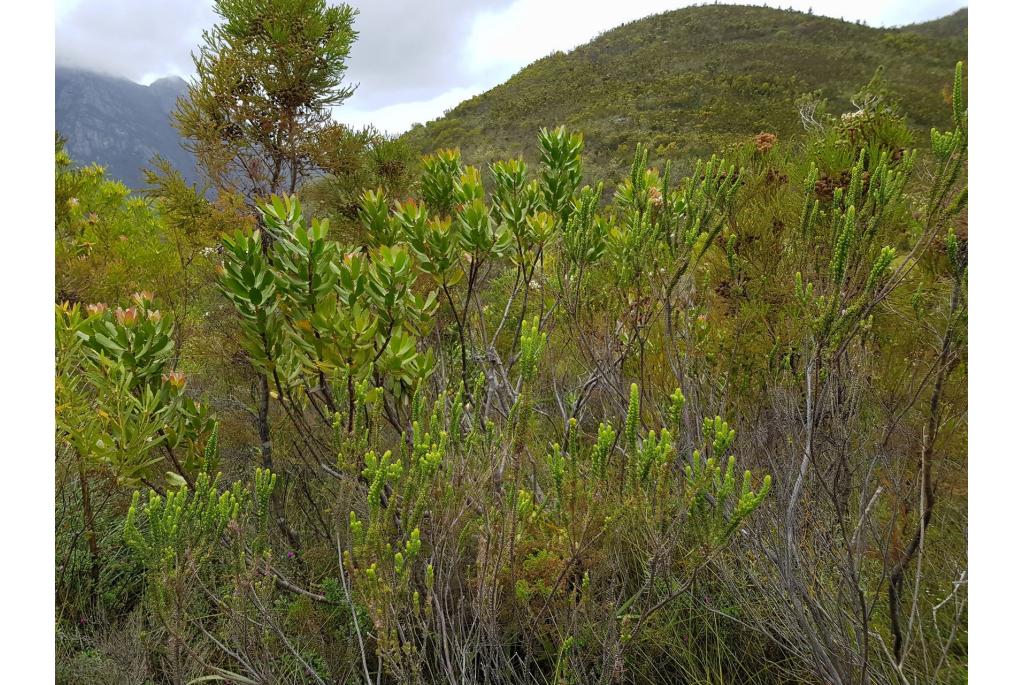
x=693, y=80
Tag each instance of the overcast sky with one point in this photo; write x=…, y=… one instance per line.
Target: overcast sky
x=413, y=58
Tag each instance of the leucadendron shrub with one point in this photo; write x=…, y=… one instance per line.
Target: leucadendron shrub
x=675, y=427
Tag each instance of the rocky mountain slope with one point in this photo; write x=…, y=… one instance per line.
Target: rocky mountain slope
x=119, y=124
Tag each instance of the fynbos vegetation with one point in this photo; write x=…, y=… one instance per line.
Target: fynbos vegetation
x=497, y=425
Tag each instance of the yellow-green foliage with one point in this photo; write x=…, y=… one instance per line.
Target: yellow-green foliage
x=120, y=404
x=108, y=243
x=526, y=430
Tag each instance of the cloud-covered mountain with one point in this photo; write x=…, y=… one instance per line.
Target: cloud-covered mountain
x=118, y=123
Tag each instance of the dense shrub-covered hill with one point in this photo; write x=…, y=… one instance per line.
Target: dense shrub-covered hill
x=693, y=80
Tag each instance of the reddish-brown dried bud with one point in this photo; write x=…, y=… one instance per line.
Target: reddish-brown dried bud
x=655, y=197
x=765, y=141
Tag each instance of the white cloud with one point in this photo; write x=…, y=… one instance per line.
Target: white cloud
x=400, y=117
x=131, y=38
x=506, y=40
